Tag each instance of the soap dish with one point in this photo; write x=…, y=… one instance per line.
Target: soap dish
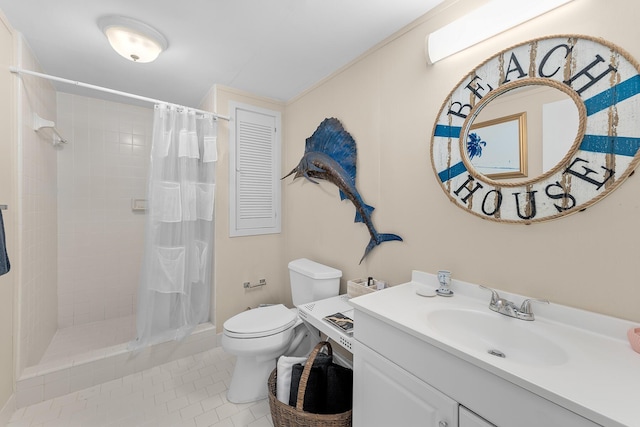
x=425, y=291
x=634, y=338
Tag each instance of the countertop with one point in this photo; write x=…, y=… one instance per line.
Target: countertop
x=600, y=380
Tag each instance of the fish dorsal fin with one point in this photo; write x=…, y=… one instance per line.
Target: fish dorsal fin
x=333, y=140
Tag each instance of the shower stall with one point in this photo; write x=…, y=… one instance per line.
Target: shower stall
x=83, y=210
x=100, y=175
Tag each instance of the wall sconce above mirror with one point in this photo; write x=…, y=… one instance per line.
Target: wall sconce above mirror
x=590, y=90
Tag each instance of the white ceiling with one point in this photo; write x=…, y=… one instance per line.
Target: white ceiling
x=272, y=48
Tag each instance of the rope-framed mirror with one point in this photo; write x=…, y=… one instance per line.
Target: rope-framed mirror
x=602, y=82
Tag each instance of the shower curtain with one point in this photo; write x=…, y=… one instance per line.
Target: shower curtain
x=175, y=287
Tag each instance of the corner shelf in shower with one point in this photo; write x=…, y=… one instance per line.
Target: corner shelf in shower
x=40, y=123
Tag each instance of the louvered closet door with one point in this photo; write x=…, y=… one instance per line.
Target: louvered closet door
x=257, y=168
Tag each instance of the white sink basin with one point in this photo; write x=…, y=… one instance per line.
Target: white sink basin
x=501, y=336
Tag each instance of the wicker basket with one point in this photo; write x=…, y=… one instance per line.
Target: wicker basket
x=288, y=416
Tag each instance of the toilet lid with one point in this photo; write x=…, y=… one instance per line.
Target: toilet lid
x=260, y=322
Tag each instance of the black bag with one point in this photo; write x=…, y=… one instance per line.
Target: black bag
x=339, y=389
x=329, y=387
x=315, y=396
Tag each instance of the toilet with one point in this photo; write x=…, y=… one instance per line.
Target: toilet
x=260, y=336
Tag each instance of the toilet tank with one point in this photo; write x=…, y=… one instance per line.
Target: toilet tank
x=311, y=281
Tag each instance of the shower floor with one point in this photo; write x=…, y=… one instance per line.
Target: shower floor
x=93, y=337
x=95, y=353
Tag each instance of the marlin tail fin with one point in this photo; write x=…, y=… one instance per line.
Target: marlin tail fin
x=380, y=238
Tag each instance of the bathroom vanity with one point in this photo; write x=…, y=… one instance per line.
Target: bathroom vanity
x=446, y=362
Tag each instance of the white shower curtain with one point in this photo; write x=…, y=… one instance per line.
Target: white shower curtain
x=175, y=283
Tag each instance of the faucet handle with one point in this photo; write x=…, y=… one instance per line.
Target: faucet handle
x=495, y=297
x=526, y=304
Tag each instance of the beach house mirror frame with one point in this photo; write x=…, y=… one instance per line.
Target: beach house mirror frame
x=604, y=82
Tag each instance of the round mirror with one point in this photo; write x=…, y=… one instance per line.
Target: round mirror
x=539, y=131
x=522, y=133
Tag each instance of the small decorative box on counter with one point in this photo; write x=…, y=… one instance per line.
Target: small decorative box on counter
x=357, y=287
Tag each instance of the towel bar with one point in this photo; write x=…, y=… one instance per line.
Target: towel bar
x=4, y=207
x=248, y=285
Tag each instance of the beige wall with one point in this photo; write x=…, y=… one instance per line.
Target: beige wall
x=8, y=196
x=388, y=100
x=241, y=259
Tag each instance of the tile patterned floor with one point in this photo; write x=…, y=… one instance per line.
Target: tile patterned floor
x=188, y=392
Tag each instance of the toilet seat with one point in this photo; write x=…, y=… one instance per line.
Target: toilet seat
x=260, y=322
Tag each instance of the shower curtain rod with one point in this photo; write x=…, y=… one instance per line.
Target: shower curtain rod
x=17, y=70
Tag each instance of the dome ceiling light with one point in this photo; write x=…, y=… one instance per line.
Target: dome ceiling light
x=132, y=39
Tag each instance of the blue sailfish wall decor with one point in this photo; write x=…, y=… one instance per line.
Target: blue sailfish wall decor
x=330, y=154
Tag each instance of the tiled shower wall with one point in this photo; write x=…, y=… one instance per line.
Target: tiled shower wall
x=100, y=237
x=37, y=263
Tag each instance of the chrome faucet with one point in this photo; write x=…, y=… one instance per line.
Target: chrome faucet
x=508, y=308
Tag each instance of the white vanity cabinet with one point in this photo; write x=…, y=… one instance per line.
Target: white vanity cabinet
x=401, y=380
x=387, y=395
x=469, y=419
